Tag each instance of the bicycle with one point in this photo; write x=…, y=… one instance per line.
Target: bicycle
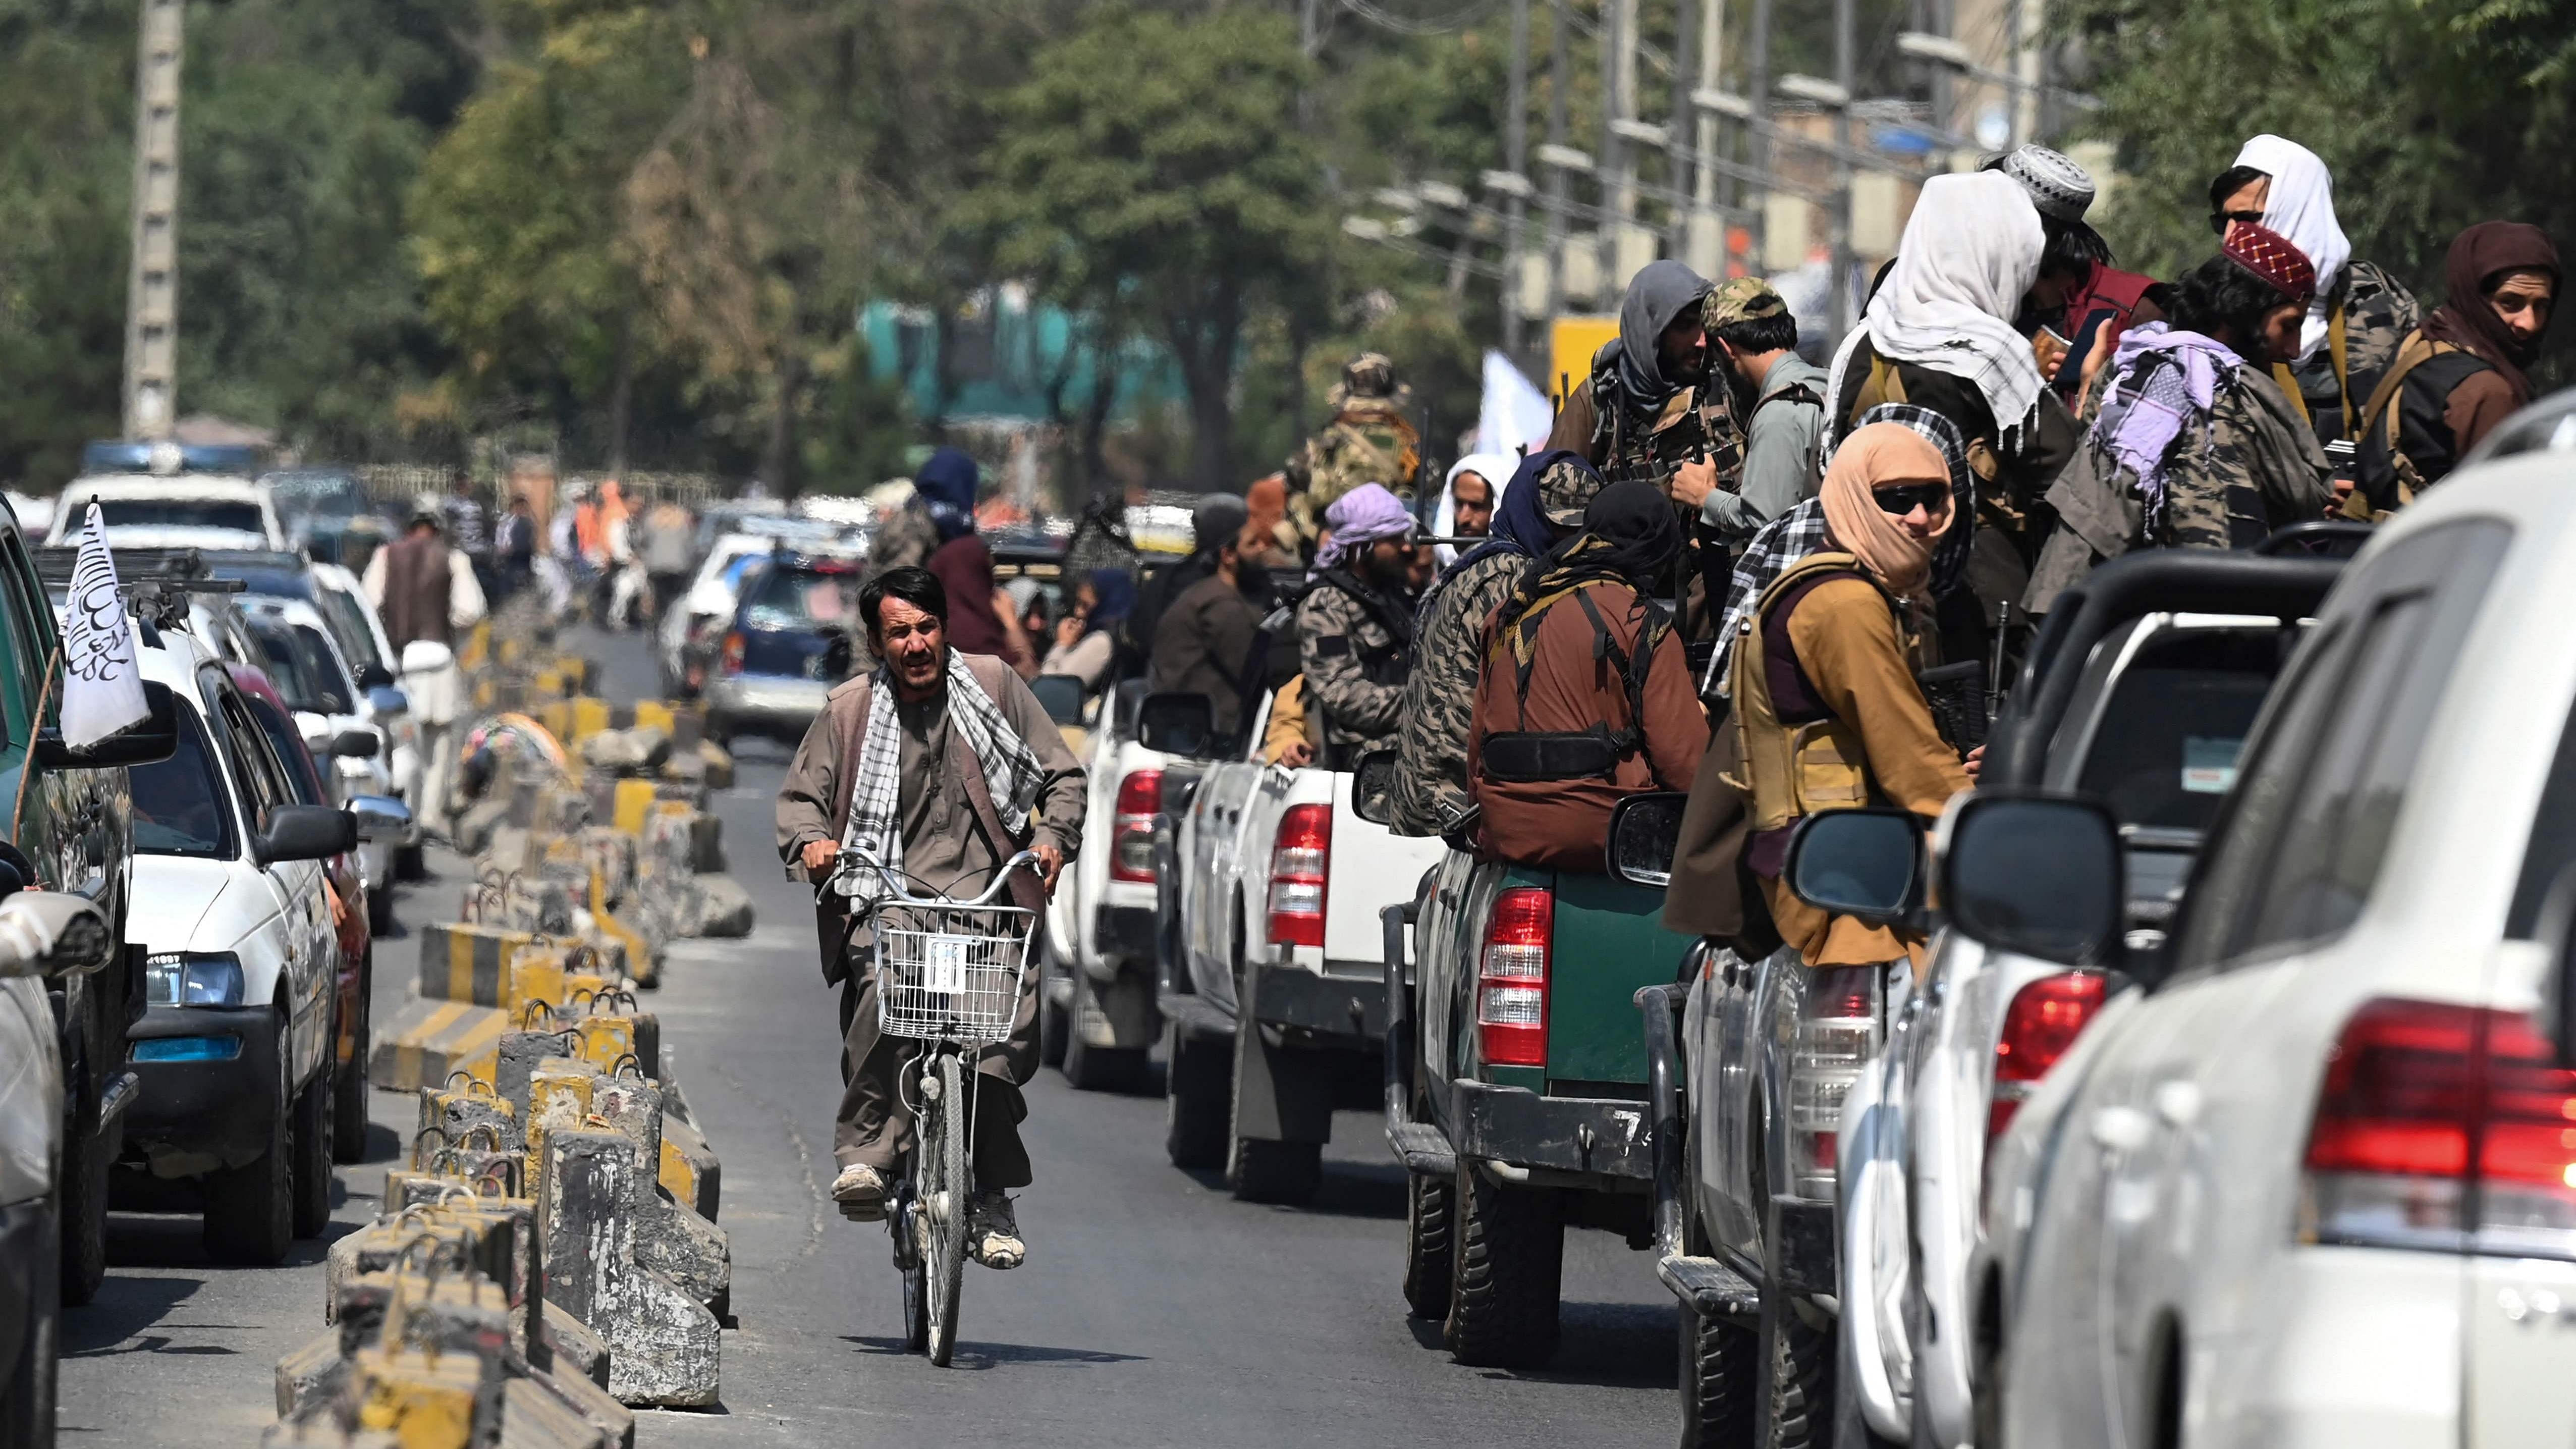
x=948, y=976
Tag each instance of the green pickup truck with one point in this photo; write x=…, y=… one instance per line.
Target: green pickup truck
x=1516, y=1085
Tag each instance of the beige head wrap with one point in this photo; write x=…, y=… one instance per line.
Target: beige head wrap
x=1871, y=458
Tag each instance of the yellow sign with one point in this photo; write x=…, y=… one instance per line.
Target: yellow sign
x=1571, y=341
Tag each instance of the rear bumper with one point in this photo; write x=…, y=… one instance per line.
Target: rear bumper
x=765, y=700
x=1349, y=1009
x=192, y=1117
x=1599, y=1136
x=2363, y=1350
x=1121, y=934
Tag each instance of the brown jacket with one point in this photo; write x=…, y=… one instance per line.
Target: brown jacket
x=1201, y=645
x=1561, y=824
x=952, y=834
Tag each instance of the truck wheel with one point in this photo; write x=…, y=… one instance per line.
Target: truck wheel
x=83, y=1198
x=1198, y=1098
x=1801, y=1360
x=1428, y=1246
x=27, y=1392
x=1717, y=1381
x=1505, y=1282
x=1054, y=1030
x=250, y=1209
x=312, y=1155
x=349, y=1086
x=1100, y=1069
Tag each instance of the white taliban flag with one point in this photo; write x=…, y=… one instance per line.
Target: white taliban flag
x=102, y=684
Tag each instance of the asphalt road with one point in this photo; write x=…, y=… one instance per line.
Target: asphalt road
x=1154, y=1309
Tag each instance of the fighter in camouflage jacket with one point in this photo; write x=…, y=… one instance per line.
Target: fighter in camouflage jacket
x=1431, y=787
x=2377, y=316
x=1368, y=441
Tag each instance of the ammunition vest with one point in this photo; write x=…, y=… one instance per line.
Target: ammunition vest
x=1791, y=770
x=2376, y=495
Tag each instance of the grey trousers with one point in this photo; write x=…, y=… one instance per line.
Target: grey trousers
x=875, y=1128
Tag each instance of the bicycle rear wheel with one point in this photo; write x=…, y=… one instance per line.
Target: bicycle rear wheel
x=944, y=1190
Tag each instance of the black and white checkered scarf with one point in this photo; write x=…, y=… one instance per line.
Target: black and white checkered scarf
x=1011, y=772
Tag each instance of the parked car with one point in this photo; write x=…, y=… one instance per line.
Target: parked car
x=334, y=725
x=694, y=628
x=186, y=510
x=42, y=935
x=235, y=1046
x=795, y=634
x=1282, y=883
x=326, y=512
x=1098, y=1015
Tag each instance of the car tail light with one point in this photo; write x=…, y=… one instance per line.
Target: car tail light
x=1140, y=796
x=1837, y=1031
x=731, y=659
x=2043, y=1021
x=1511, y=978
x=2442, y=1126
x=1298, y=860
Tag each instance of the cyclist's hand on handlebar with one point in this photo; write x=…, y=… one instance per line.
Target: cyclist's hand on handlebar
x=818, y=855
x=1050, y=863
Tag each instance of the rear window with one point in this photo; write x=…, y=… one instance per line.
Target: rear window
x=2165, y=751
x=181, y=513
x=179, y=803
x=794, y=598
x=301, y=666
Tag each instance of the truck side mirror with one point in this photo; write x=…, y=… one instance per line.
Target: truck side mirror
x=375, y=676
x=2037, y=875
x=1060, y=695
x=52, y=933
x=1645, y=831
x=1174, y=723
x=1862, y=863
x=144, y=742
x=1373, y=788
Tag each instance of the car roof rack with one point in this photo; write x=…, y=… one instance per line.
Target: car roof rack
x=155, y=582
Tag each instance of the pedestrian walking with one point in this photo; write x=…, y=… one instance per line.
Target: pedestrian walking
x=428, y=596
x=669, y=552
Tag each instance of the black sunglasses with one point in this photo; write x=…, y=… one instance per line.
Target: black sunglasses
x=1903, y=498
x=2218, y=220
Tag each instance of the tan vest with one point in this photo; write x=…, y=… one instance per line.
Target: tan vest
x=1785, y=770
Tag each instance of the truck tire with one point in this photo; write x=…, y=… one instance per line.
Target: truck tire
x=349, y=1085
x=27, y=1389
x=1720, y=1371
x=1506, y=1279
x=380, y=909
x=82, y=1201
x=1260, y=1170
x=1429, y=1243
x=250, y=1209
x=1801, y=1357
x=1198, y=1098
x=311, y=1135
x=1054, y=1029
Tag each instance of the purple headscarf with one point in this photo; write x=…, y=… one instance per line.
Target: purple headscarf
x=1360, y=517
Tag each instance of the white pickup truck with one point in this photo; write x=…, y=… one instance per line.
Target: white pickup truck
x=1280, y=887
x=1096, y=1008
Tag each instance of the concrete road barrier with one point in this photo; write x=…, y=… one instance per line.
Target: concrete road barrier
x=663, y=1342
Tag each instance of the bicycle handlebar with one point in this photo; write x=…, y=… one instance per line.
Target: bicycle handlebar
x=850, y=864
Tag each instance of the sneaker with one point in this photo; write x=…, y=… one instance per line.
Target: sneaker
x=860, y=1193
x=993, y=1232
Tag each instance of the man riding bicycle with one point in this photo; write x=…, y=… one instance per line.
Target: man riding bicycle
x=930, y=765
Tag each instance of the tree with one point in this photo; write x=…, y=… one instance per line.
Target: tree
x=1152, y=166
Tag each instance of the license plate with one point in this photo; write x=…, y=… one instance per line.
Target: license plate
x=944, y=962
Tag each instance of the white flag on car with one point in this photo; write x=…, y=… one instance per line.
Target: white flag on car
x=102, y=684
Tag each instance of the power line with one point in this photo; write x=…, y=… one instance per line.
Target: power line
x=1449, y=24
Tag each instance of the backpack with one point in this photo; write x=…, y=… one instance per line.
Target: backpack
x=1529, y=757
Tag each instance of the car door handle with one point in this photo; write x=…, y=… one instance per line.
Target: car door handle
x=2120, y=1129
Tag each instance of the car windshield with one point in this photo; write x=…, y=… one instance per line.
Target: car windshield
x=181, y=513
x=179, y=803
x=2166, y=749
x=316, y=495
x=801, y=598
x=299, y=663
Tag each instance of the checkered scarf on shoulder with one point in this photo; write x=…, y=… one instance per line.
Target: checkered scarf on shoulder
x=1011, y=772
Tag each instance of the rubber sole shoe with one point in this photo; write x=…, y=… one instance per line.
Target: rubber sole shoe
x=860, y=1193
x=993, y=1233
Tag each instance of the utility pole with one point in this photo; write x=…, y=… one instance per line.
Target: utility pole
x=1678, y=132
x=1612, y=154
x=1516, y=161
x=152, y=286
x=1557, y=80
x=1757, y=89
x=1842, y=253
x=1712, y=55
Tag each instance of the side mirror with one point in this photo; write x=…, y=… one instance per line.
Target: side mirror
x=2037, y=875
x=380, y=817
x=150, y=739
x=1174, y=723
x=1645, y=830
x=357, y=744
x=306, y=832
x=1373, y=788
x=52, y=933
x=1060, y=695
x=375, y=676
x=1862, y=863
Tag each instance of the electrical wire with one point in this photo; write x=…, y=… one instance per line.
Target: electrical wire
x=1455, y=21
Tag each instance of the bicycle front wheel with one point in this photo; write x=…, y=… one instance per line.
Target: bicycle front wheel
x=945, y=1186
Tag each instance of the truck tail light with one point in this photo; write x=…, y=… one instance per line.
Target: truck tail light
x=1837, y=1031
x=1298, y=861
x=2442, y=1126
x=1511, y=978
x=1140, y=796
x=730, y=657
x=2043, y=1021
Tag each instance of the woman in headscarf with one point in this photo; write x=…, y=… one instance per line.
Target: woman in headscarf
x=1086, y=642
x=2359, y=317
x=1486, y=473
x=1646, y=411
x=1938, y=334
x=2462, y=371
x=1585, y=695
x=1827, y=711
x=981, y=619
x=2194, y=445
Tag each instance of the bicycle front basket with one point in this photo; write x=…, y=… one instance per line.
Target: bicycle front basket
x=950, y=973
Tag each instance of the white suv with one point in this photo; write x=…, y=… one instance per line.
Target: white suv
x=235, y=1046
